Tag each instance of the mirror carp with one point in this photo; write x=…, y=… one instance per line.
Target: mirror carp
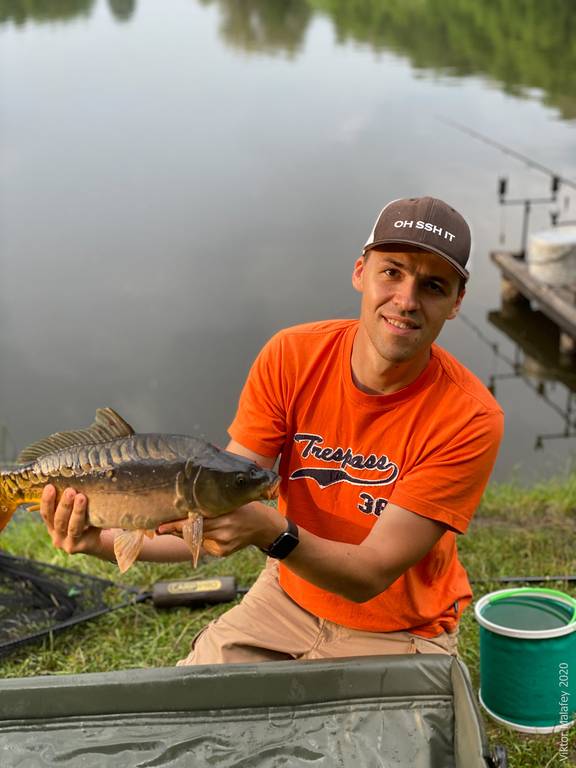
x=135, y=482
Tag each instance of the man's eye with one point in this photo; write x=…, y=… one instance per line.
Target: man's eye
x=436, y=287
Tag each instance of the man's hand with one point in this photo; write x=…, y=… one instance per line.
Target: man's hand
x=254, y=523
x=67, y=523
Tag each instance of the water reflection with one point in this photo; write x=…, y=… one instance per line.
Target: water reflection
x=538, y=363
x=20, y=11
x=519, y=45
x=264, y=25
x=122, y=10
x=526, y=47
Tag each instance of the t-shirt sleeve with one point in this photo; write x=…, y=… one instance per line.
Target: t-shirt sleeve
x=260, y=420
x=448, y=484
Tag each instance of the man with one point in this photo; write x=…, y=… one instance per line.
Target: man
x=386, y=444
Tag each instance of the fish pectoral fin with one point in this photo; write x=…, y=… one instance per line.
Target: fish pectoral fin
x=127, y=546
x=192, y=534
x=149, y=534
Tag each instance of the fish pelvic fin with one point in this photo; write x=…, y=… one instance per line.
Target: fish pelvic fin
x=107, y=425
x=192, y=534
x=127, y=546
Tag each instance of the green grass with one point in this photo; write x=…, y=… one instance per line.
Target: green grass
x=136, y=636
x=517, y=532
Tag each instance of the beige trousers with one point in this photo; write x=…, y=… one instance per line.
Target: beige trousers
x=269, y=626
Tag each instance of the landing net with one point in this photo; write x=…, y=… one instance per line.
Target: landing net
x=37, y=599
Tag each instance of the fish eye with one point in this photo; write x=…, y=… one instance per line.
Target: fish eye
x=240, y=480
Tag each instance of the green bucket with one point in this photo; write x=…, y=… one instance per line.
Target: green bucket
x=528, y=658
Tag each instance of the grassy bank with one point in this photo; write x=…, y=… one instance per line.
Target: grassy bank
x=516, y=532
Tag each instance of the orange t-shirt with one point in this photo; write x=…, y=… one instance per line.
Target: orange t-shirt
x=345, y=454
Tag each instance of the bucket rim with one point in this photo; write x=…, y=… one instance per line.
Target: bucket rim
x=539, y=729
x=527, y=634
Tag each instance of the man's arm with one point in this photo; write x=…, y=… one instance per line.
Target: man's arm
x=265, y=461
x=398, y=540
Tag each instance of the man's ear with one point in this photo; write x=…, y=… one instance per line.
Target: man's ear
x=357, y=274
x=456, y=308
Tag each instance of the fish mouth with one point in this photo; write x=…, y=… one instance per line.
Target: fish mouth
x=272, y=490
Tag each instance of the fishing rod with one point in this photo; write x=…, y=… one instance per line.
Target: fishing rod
x=507, y=151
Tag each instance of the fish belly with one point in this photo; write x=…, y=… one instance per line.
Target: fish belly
x=144, y=510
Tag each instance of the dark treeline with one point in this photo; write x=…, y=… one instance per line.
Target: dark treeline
x=522, y=45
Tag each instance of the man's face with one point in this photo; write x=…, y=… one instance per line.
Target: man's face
x=407, y=295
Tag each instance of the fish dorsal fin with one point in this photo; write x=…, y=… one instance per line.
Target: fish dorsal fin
x=107, y=425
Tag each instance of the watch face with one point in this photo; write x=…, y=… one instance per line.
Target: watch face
x=285, y=543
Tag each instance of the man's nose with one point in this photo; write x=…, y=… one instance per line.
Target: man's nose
x=406, y=297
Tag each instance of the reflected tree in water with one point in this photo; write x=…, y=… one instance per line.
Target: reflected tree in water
x=264, y=25
x=122, y=10
x=20, y=11
x=525, y=45
x=522, y=44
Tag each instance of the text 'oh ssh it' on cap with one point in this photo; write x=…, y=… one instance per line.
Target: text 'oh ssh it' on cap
x=427, y=223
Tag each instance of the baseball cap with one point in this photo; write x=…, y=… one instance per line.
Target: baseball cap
x=427, y=223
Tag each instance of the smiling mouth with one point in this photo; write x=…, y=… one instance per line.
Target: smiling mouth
x=401, y=325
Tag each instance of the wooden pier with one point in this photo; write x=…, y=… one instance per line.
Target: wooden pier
x=557, y=303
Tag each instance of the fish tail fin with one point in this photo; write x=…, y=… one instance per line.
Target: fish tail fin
x=8, y=504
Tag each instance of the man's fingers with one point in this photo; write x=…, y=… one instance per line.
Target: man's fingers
x=48, y=505
x=63, y=511
x=77, y=520
x=212, y=547
x=174, y=528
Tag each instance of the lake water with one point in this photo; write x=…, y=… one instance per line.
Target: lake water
x=181, y=178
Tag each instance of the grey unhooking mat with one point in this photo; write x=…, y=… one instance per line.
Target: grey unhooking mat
x=414, y=711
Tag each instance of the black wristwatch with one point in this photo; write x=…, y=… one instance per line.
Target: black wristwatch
x=285, y=543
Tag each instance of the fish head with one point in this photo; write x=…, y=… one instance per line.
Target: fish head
x=228, y=481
